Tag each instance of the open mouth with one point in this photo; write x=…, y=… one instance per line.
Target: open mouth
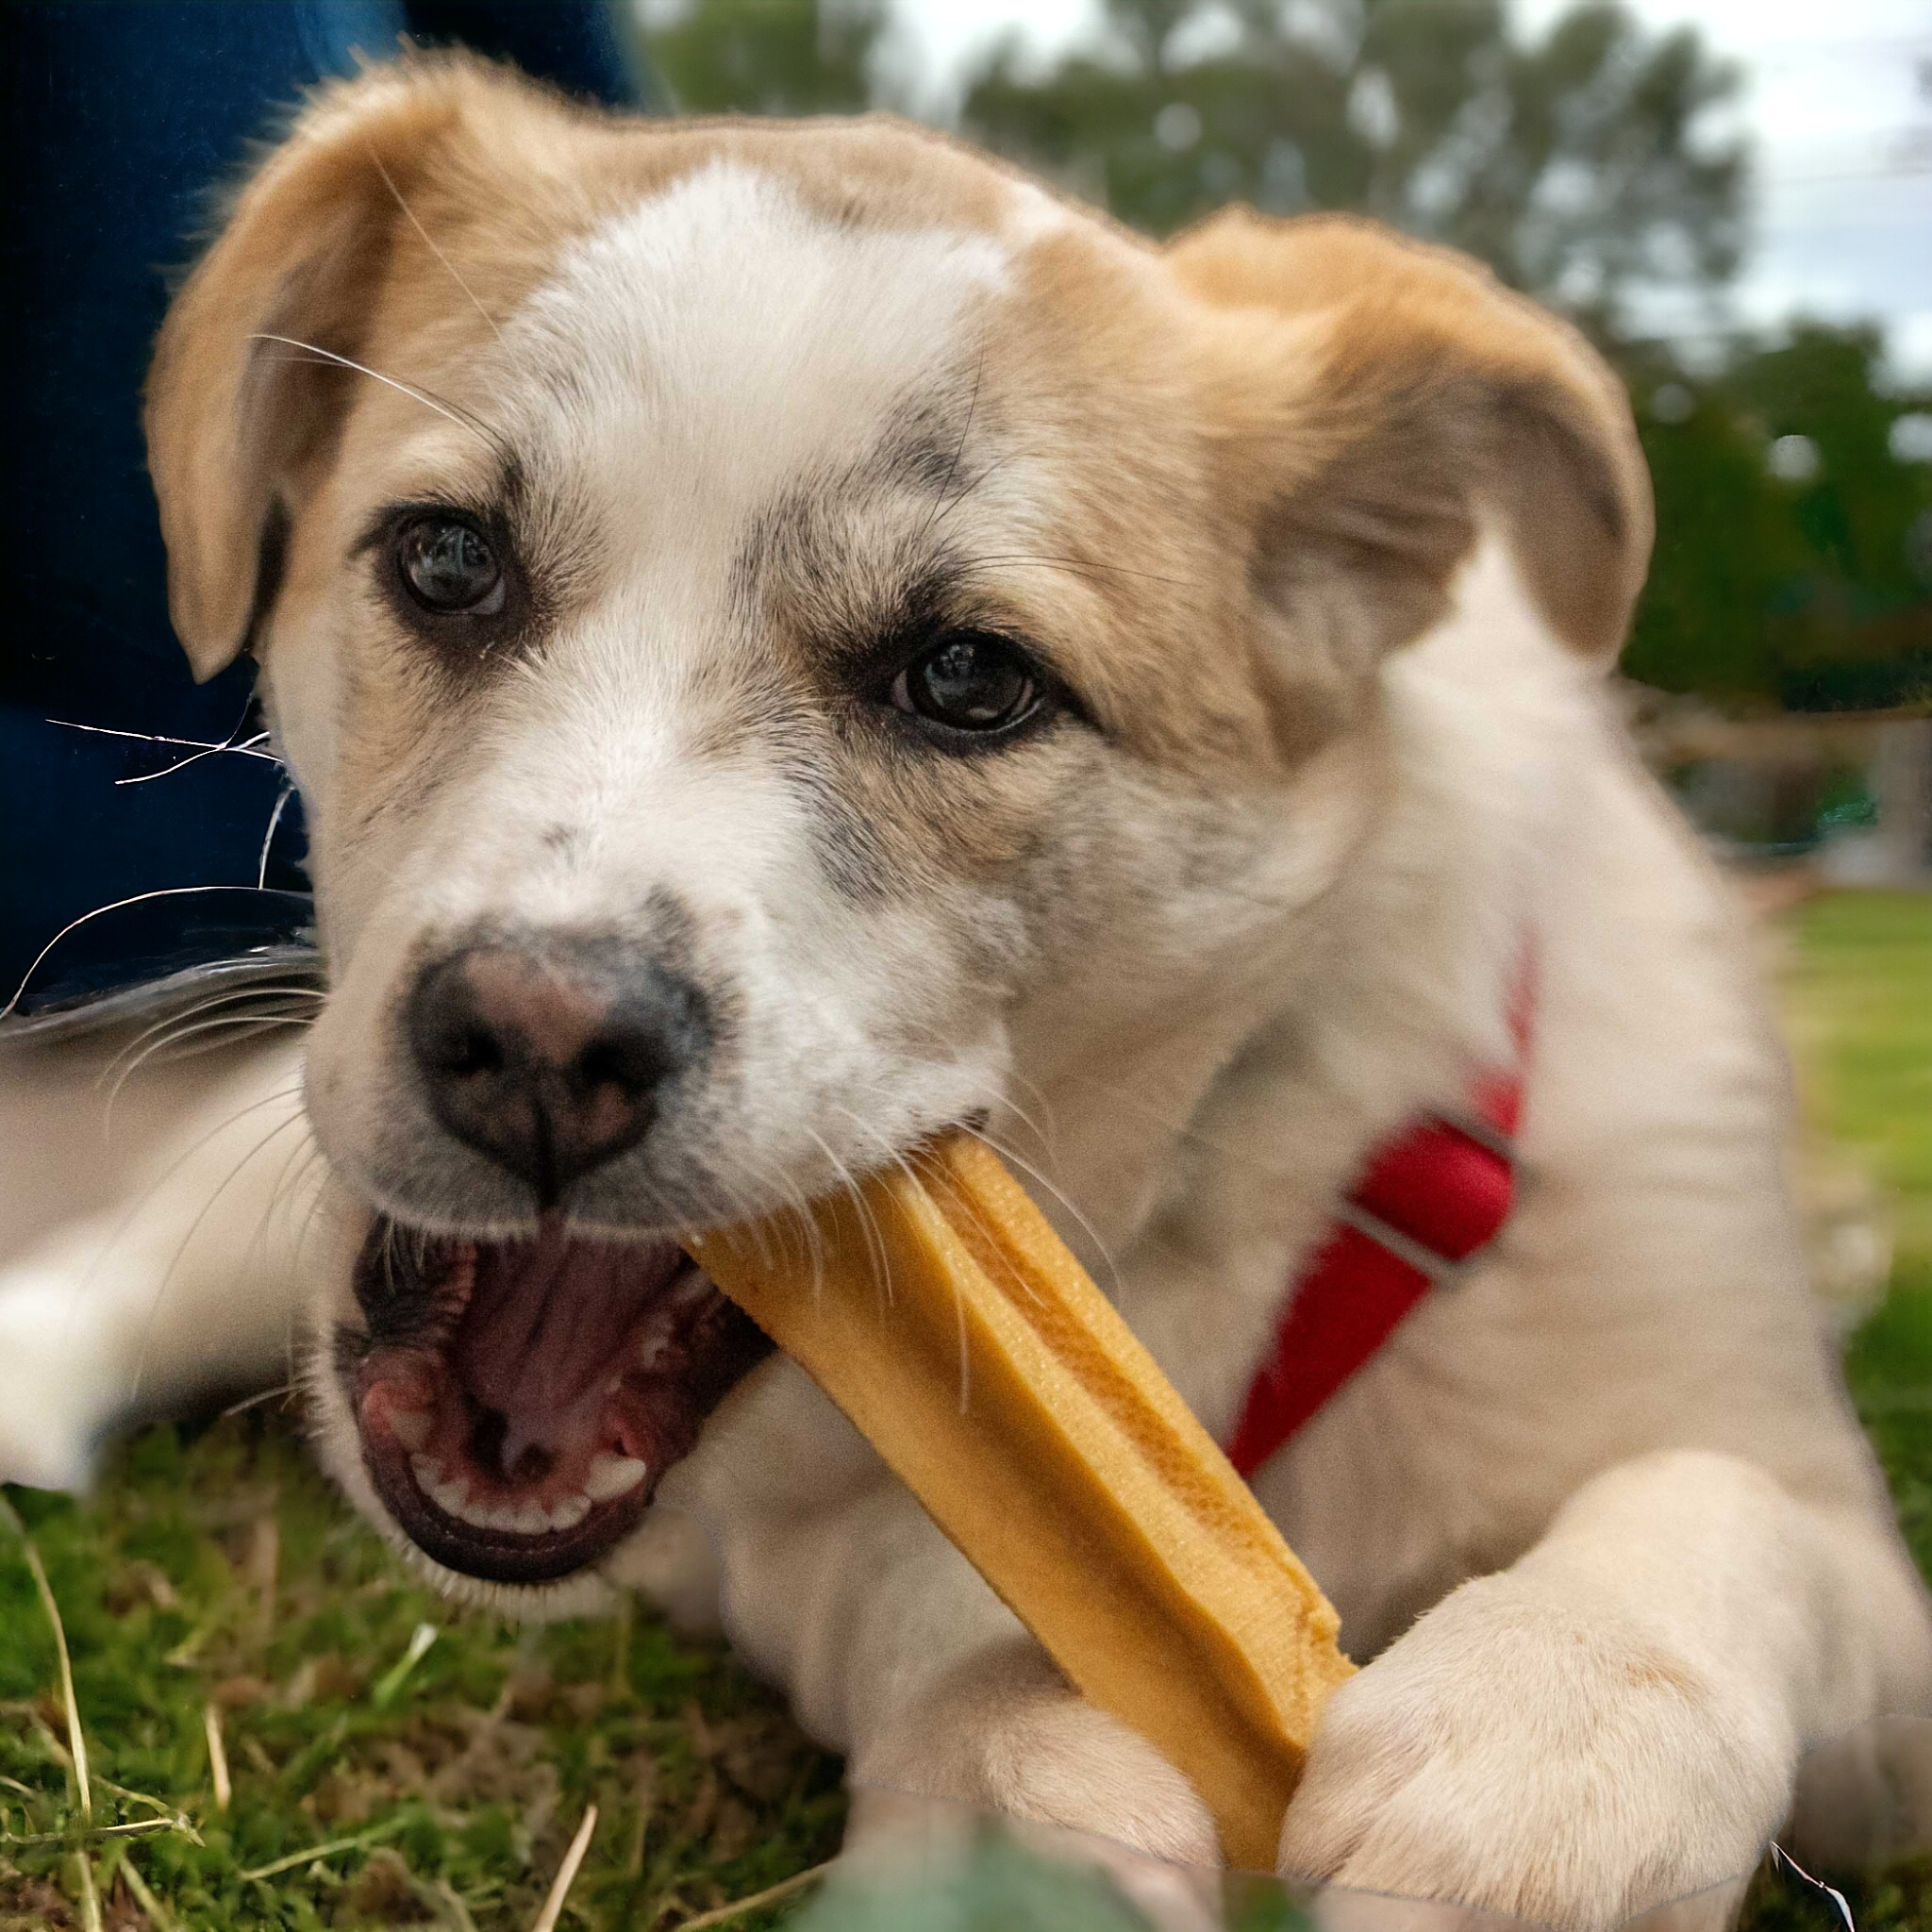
x=519, y=1400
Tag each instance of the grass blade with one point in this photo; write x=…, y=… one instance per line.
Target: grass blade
x=393, y=1679
x=217, y=1757
x=327, y=1849
x=566, y=1873
x=76, y=1742
x=722, y=1915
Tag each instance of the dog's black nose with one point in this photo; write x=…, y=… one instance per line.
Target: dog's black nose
x=550, y=1058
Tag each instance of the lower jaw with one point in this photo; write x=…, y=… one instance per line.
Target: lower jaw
x=496, y=1557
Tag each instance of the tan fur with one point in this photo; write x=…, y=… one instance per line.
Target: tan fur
x=1428, y=361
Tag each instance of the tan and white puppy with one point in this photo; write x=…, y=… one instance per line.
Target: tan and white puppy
x=790, y=637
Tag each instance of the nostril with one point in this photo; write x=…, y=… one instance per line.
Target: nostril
x=472, y=1051
x=634, y=1067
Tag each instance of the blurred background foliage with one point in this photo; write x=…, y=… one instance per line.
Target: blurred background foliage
x=1588, y=165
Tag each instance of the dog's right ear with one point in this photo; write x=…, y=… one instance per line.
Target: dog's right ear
x=1379, y=405
x=239, y=427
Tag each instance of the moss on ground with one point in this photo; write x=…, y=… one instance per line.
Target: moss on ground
x=217, y=1573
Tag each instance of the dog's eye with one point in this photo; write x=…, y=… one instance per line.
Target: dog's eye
x=969, y=681
x=449, y=568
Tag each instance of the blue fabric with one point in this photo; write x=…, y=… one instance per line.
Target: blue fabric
x=120, y=116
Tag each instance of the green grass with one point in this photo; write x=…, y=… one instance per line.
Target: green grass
x=225, y=1574
x=218, y=1571
x=1858, y=994
x=1858, y=999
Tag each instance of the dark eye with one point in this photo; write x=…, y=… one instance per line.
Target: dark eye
x=969, y=681
x=449, y=568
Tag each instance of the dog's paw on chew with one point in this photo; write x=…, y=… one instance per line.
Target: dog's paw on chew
x=1002, y=1732
x=1058, y=1761
x=1512, y=1754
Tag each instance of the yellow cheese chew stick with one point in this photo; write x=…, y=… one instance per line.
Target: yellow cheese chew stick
x=945, y=1317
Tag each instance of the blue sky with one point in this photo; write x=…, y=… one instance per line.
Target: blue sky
x=1838, y=103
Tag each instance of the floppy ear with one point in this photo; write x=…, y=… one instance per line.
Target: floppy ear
x=1380, y=403
x=239, y=428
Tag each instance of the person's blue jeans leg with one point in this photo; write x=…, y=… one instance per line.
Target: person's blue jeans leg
x=120, y=116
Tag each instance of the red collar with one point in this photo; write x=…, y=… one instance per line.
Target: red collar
x=1429, y=1201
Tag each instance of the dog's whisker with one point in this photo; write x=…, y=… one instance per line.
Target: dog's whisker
x=875, y=1237
x=896, y=1156
x=194, y=1227
x=221, y=1023
x=250, y=748
x=1183, y=1129
x=40, y=959
x=776, y=1180
x=268, y=837
x=1073, y=1209
x=1082, y=566
x=451, y=412
x=946, y=502
x=134, y=1056
x=247, y=748
x=266, y=993
x=318, y=1201
x=1040, y=1133
x=280, y=1097
x=280, y=1391
x=199, y=748
x=429, y=242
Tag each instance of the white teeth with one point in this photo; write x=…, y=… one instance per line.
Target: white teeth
x=611, y=1476
x=411, y=1426
x=453, y=1498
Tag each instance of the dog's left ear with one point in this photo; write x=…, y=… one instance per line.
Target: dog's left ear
x=1379, y=403
x=241, y=426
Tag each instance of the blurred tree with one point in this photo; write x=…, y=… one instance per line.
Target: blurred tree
x=1794, y=531
x=763, y=57
x=1575, y=165
x=1722, y=541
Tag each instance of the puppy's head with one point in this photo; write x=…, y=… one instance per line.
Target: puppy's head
x=772, y=623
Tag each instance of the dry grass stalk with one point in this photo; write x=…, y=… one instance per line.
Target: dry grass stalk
x=76, y=1742
x=217, y=1757
x=769, y=1896
x=158, y=1915
x=566, y=1873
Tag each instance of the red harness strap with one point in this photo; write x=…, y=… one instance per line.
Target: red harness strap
x=1428, y=1201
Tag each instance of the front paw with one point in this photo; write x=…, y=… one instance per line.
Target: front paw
x=57, y=1385
x=1003, y=1733
x=1514, y=1754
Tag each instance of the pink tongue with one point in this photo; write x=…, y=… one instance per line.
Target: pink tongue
x=548, y=1322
